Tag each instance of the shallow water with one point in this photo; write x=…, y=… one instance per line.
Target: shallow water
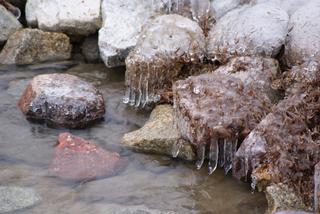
x=150, y=183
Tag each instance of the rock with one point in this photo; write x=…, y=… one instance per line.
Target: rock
x=62, y=100
x=280, y=198
x=8, y=24
x=221, y=108
x=170, y=47
x=78, y=160
x=158, y=135
x=90, y=49
x=303, y=42
x=221, y=7
x=289, y=6
x=248, y=31
x=16, y=198
x=30, y=46
x=317, y=188
x=63, y=16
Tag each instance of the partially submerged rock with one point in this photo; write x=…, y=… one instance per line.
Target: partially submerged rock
x=62, y=100
x=17, y=198
x=303, y=42
x=258, y=30
x=8, y=24
x=74, y=17
x=30, y=46
x=169, y=48
x=158, y=135
x=78, y=160
x=219, y=109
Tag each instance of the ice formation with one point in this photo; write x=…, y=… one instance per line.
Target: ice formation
x=217, y=110
x=169, y=48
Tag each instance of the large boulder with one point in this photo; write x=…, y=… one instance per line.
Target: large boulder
x=74, y=17
x=62, y=100
x=303, y=42
x=30, y=46
x=219, y=109
x=248, y=31
x=78, y=160
x=158, y=135
x=168, y=48
x=8, y=24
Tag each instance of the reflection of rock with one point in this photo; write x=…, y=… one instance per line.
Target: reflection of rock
x=249, y=30
x=8, y=24
x=78, y=160
x=62, y=100
x=30, y=46
x=17, y=198
x=167, y=49
x=74, y=17
x=90, y=49
x=158, y=135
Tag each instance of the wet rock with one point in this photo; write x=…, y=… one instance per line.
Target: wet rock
x=248, y=31
x=62, y=100
x=30, y=46
x=317, y=188
x=170, y=47
x=90, y=49
x=8, y=24
x=221, y=108
x=63, y=16
x=158, y=135
x=280, y=198
x=303, y=42
x=78, y=160
x=16, y=198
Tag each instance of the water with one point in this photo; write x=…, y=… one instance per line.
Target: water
x=149, y=183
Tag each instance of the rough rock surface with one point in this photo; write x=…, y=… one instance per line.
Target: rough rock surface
x=248, y=30
x=8, y=24
x=78, y=160
x=62, y=100
x=220, y=108
x=220, y=7
x=90, y=49
x=303, y=42
x=158, y=135
x=74, y=17
x=168, y=48
x=317, y=188
x=289, y=6
x=30, y=46
x=16, y=198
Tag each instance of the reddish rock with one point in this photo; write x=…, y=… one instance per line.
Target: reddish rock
x=78, y=160
x=62, y=100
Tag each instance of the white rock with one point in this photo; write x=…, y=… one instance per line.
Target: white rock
x=8, y=24
x=288, y=5
x=221, y=7
x=75, y=17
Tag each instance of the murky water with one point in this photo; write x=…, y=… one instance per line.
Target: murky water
x=150, y=184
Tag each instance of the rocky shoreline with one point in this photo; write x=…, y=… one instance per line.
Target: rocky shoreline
x=239, y=81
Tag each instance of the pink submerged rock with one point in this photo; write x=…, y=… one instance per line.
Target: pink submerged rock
x=76, y=159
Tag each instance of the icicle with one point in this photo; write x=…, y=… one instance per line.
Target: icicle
x=221, y=152
x=176, y=148
x=213, y=155
x=228, y=153
x=138, y=102
x=132, y=100
x=246, y=168
x=253, y=184
x=201, y=155
x=126, y=97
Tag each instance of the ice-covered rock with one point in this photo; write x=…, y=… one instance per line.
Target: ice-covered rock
x=248, y=31
x=303, y=41
x=8, y=24
x=220, y=7
x=74, y=17
x=169, y=48
x=221, y=108
x=30, y=46
x=62, y=100
x=290, y=6
x=78, y=160
x=159, y=135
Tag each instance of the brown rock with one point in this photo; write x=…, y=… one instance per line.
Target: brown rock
x=77, y=160
x=62, y=100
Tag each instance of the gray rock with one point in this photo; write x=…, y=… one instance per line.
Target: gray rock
x=74, y=17
x=158, y=135
x=17, y=198
x=30, y=46
x=90, y=49
x=289, y=6
x=221, y=7
x=246, y=31
x=8, y=24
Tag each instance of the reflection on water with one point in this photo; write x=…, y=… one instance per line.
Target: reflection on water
x=150, y=184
